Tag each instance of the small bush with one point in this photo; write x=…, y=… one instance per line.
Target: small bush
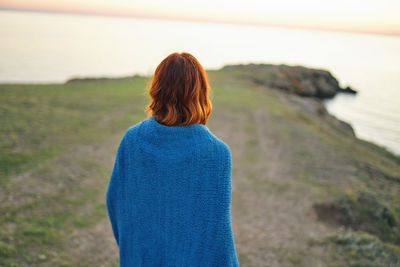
x=362, y=212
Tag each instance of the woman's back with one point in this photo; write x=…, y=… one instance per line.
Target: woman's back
x=169, y=197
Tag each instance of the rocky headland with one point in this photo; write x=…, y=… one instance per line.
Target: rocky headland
x=312, y=85
x=299, y=80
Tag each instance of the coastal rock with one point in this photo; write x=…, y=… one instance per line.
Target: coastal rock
x=299, y=80
x=348, y=90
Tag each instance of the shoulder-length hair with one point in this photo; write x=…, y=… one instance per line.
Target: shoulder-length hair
x=179, y=91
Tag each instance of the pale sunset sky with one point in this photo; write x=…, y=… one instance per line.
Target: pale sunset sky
x=363, y=16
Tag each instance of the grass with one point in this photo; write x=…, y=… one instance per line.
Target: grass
x=361, y=249
x=43, y=122
x=363, y=211
x=59, y=140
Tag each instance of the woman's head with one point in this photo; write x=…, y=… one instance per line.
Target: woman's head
x=179, y=91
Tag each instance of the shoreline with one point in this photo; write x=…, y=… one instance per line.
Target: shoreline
x=370, y=140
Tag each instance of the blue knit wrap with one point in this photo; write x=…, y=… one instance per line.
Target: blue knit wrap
x=169, y=197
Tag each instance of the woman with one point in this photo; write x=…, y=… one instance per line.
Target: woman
x=169, y=194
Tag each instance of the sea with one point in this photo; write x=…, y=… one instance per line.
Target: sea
x=37, y=47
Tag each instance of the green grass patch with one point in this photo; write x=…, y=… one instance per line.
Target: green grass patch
x=361, y=249
x=38, y=122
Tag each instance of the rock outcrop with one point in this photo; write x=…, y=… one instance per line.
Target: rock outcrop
x=300, y=80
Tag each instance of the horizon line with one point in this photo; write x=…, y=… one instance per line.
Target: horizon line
x=198, y=20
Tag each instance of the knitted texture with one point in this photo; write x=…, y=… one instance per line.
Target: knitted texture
x=169, y=197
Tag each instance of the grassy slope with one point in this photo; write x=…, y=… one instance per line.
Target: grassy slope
x=59, y=141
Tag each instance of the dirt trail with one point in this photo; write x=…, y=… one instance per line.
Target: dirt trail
x=95, y=245
x=272, y=218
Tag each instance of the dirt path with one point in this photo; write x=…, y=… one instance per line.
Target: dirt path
x=95, y=245
x=272, y=218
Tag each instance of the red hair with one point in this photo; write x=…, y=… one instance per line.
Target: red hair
x=179, y=91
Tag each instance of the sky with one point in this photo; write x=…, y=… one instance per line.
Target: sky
x=363, y=16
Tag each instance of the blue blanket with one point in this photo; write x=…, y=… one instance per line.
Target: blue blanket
x=169, y=197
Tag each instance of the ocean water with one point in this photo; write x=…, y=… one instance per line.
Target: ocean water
x=43, y=47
